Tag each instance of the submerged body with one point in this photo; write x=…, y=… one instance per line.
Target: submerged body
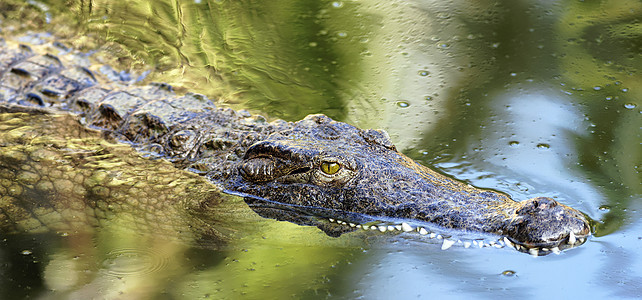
x=305, y=172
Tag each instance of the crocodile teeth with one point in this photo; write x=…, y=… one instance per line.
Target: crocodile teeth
x=405, y=227
x=508, y=242
x=467, y=244
x=556, y=250
x=358, y=226
x=398, y=227
x=331, y=220
x=433, y=235
x=447, y=244
x=423, y=231
x=383, y=228
x=391, y=228
x=373, y=227
x=571, y=239
x=534, y=252
x=352, y=225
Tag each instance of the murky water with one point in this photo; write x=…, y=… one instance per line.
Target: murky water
x=531, y=98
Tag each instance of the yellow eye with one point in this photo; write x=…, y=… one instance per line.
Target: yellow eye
x=330, y=168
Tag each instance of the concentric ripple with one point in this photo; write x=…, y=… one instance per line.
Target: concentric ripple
x=134, y=261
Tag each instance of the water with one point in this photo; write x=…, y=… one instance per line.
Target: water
x=524, y=97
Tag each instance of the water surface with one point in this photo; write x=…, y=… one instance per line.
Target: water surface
x=527, y=97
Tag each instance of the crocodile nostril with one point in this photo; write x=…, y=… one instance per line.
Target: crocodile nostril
x=544, y=203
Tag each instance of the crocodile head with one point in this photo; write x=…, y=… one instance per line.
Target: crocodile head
x=321, y=170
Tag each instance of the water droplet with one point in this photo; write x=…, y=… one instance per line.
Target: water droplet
x=26, y=252
x=624, y=90
x=337, y=4
x=609, y=98
x=403, y=104
x=543, y=146
x=428, y=98
x=629, y=105
x=342, y=34
x=604, y=208
x=495, y=45
x=513, y=143
x=597, y=88
x=513, y=74
x=424, y=73
x=313, y=44
x=508, y=273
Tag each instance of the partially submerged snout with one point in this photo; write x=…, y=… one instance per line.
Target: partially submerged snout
x=545, y=225
x=322, y=169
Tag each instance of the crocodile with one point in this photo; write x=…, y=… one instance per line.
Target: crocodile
x=316, y=171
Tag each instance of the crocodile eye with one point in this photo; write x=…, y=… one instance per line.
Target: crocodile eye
x=330, y=168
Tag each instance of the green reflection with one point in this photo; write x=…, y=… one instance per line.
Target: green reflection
x=600, y=62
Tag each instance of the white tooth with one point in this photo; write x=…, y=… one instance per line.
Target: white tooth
x=382, y=228
x=508, y=242
x=466, y=244
x=439, y=236
x=533, y=251
x=433, y=235
x=405, y=227
x=447, y=243
x=391, y=228
x=373, y=227
x=331, y=220
x=518, y=247
x=343, y=223
x=545, y=249
x=556, y=250
x=352, y=225
x=358, y=226
x=398, y=227
x=581, y=240
x=571, y=238
x=423, y=231
x=480, y=244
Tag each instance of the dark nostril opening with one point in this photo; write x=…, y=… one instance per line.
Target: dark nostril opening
x=544, y=203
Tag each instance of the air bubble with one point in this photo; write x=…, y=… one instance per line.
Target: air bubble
x=508, y=273
x=513, y=143
x=424, y=73
x=403, y=104
x=629, y=105
x=543, y=146
x=337, y=4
